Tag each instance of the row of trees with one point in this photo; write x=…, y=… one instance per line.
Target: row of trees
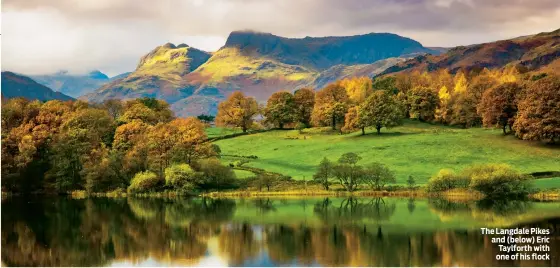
x=526, y=104
x=62, y=146
x=350, y=175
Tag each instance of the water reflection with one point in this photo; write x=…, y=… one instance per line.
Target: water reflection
x=263, y=232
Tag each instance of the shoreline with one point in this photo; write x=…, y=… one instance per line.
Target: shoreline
x=453, y=195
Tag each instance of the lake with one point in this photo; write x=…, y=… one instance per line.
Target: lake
x=59, y=231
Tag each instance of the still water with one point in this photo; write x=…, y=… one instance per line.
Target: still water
x=264, y=232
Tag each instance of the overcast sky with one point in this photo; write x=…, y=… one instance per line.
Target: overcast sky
x=44, y=36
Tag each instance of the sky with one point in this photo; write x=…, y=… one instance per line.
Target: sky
x=45, y=36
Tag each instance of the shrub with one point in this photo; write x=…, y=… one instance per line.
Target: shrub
x=180, y=176
x=497, y=180
x=213, y=175
x=144, y=182
x=446, y=180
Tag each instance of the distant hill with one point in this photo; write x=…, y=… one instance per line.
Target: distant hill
x=540, y=51
x=194, y=81
x=71, y=84
x=14, y=85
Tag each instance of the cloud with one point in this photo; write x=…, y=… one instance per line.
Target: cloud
x=111, y=35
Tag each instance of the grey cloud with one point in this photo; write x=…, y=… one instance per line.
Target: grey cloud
x=118, y=32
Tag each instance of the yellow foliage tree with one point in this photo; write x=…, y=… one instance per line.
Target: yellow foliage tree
x=357, y=88
x=237, y=111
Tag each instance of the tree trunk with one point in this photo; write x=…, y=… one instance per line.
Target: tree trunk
x=281, y=125
x=378, y=127
x=363, y=131
x=504, y=129
x=333, y=122
x=244, y=128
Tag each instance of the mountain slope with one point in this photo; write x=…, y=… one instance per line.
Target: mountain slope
x=258, y=64
x=160, y=74
x=321, y=53
x=14, y=85
x=73, y=85
x=534, y=52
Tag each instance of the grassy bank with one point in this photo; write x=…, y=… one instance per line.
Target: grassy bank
x=417, y=149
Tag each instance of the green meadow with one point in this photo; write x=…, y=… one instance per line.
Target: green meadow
x=415, y=148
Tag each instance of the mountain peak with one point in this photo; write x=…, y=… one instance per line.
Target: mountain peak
x=96, y=74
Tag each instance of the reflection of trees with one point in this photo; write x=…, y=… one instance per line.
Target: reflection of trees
x=491, y=211
x=237, y=244
x=205, y=210
x=285, y=244
x=503, y=207
x=411, y=205
x=353, y=209
x=264, y=205
x=95, y=232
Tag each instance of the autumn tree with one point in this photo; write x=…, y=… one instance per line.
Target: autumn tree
x=190, y=140
x=304, y=99
x=354, y=120
x=357, y=88
x=115, y=107
x=148, y=110
x=381, y=110
x=280, y=108
x=422, y=103
x=160, y=142
x=499, y=105
x=324, y=173
x=237, y=111
x=331, y=104
x=388, y=84
x=82, y=132
x=538, y=117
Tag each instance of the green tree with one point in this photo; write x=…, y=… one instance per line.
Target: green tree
x=347, y=172
x=205, y=118
x=411, y=182
x=280, y=109
x=213, y=175
x=180, y=176
x=377, y=175
x=422, y=102
x=381, y=110
x=324, y=173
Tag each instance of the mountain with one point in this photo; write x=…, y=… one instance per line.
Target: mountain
x=258, y=64
x=14, y=85
x=535, y=52
x=71, y=84
x=160, y=74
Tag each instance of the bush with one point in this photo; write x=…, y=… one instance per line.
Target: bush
x=144, y=182
x=497, y=180
x=446, y=180
x=180, y=176
x=213, y=175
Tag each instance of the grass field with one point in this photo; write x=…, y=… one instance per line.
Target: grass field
x=547, y=184
x=417, y=149
x=213, y=132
